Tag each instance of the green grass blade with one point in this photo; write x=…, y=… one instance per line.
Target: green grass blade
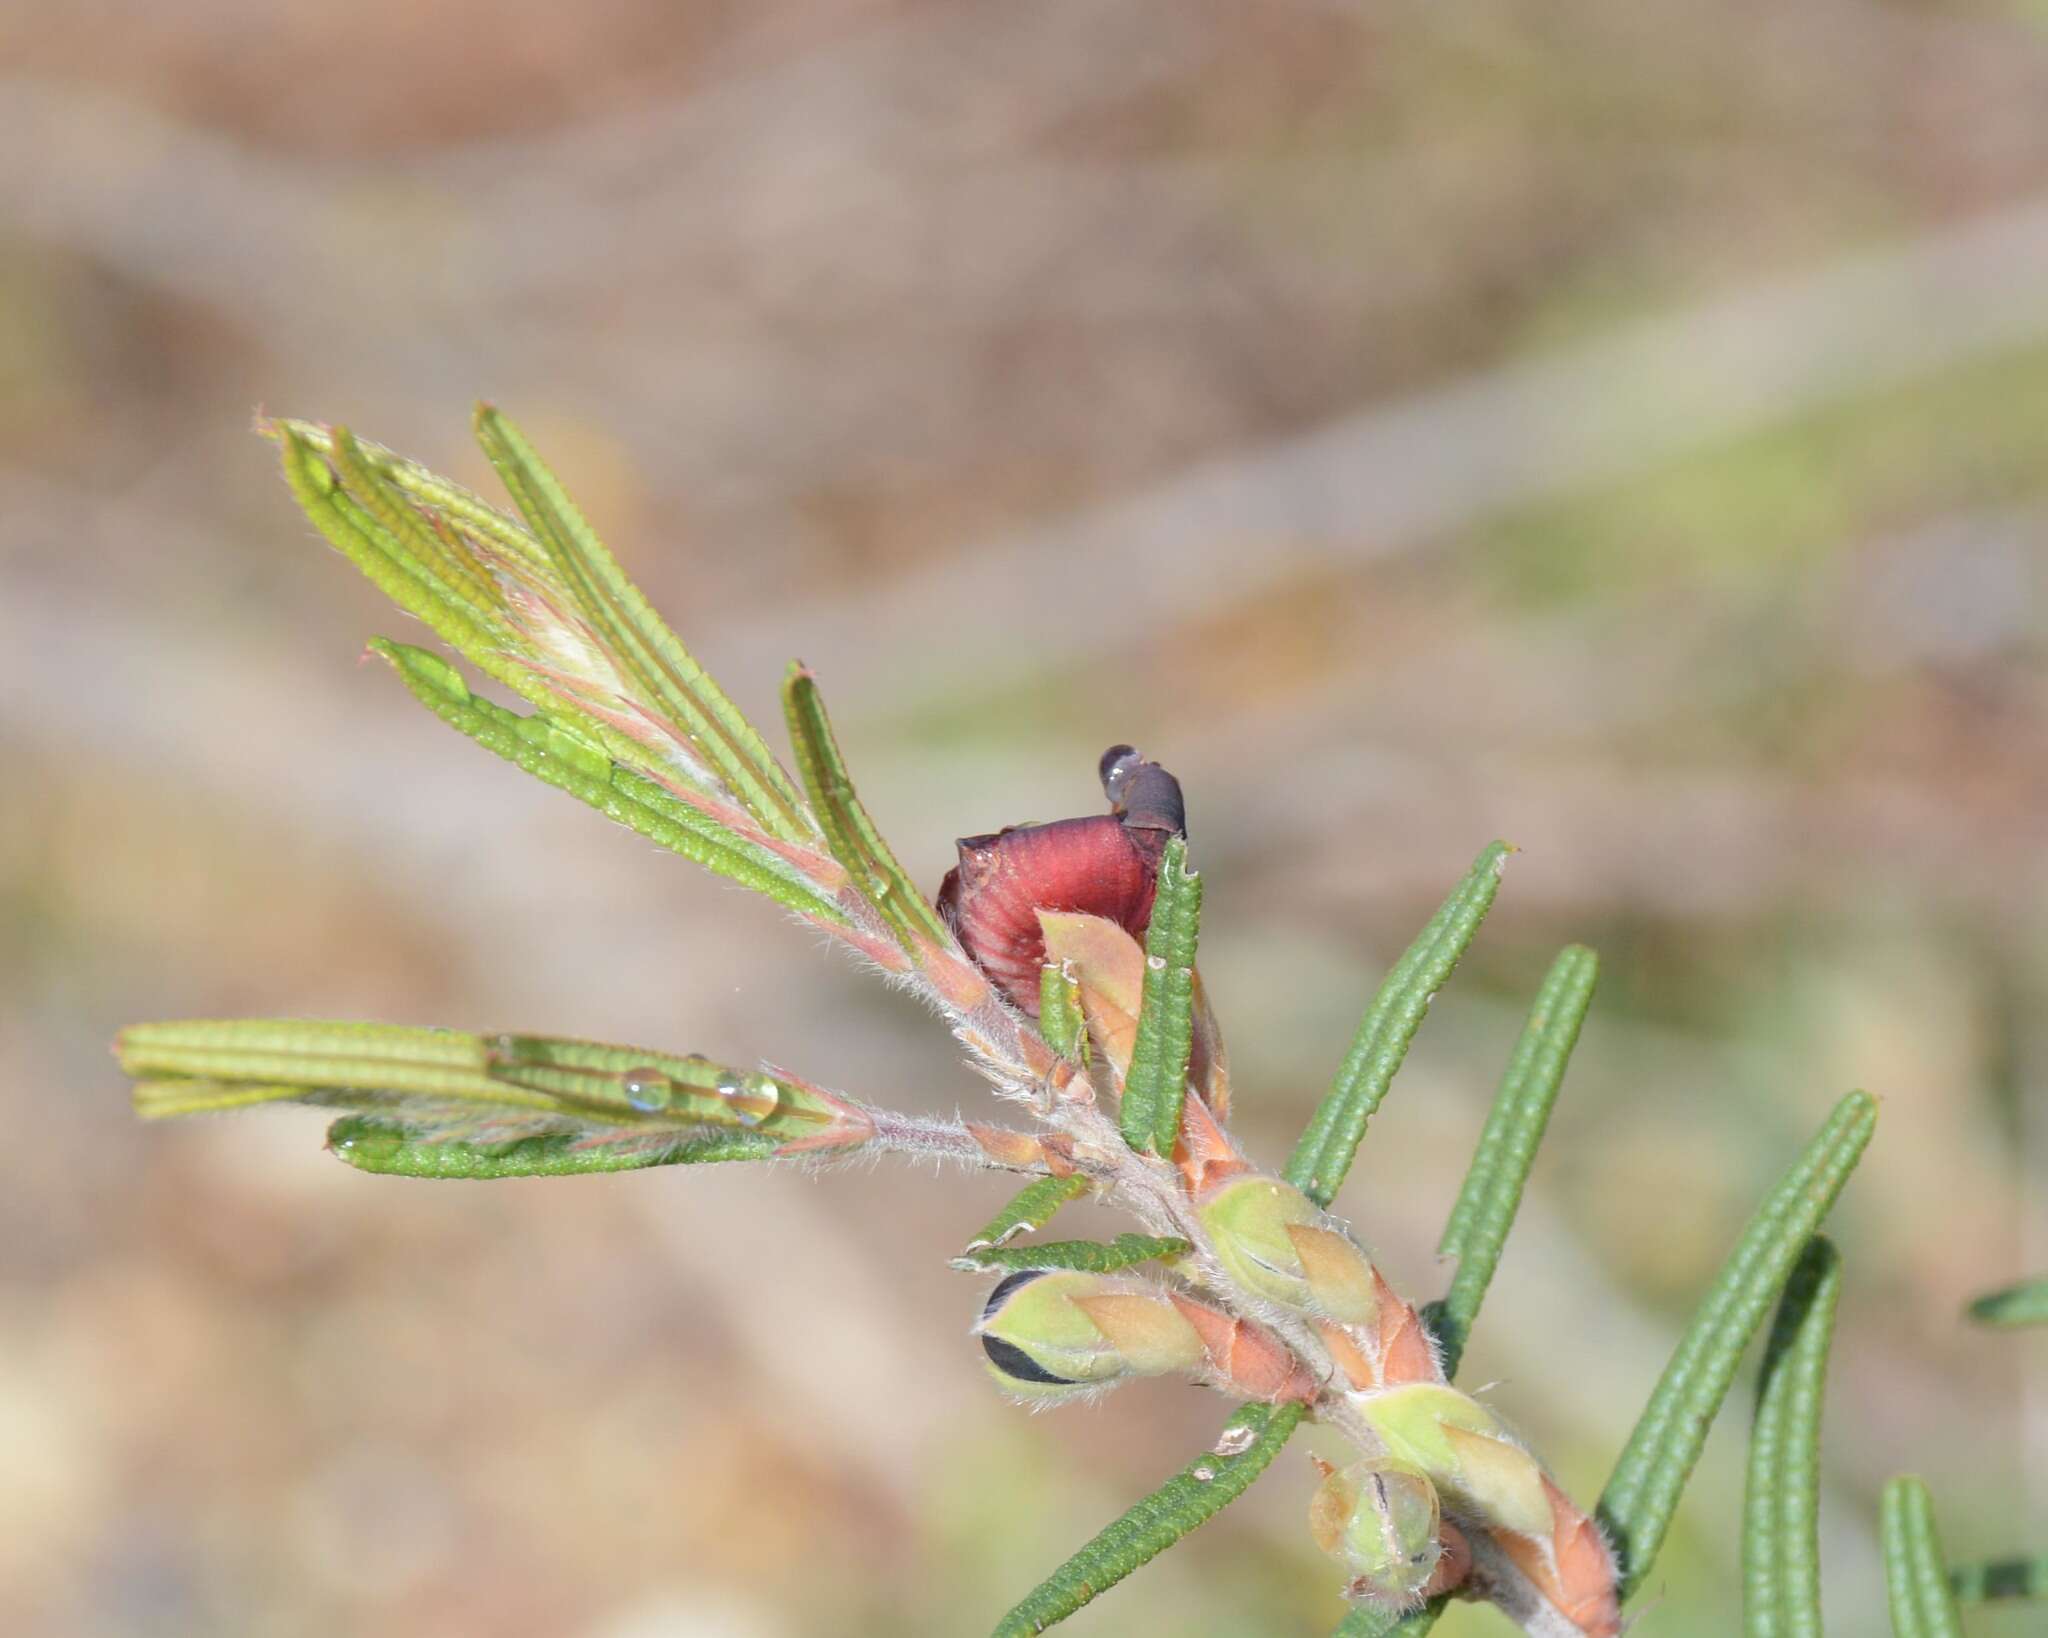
x=1325, y=1151
x=1089, y=1256
x=638, y=642
x=1190, y=1498
x=554, y=753
x=1781, y=1505
x=1061, y=1020
x=1915, y=1576
x=1030, y=1208
x=374, y=1143
x=1158, y=1077
x=1642, y=1495
x=2014, y=1305
x=1485, y=1211
x=2000, y=1578
x=849, y=832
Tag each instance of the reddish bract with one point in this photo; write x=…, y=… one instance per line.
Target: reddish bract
x=1105, y=865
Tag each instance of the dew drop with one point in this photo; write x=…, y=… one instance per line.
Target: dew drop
x=763, y=1098
x=1235, y=1441
x=647, y=1090
x=751, y=1098
x=1204, y=1473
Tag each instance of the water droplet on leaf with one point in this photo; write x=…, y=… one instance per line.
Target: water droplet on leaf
x=751, y=1098
x=763, y=1098
x=1235, y=1441
x=647, y=1090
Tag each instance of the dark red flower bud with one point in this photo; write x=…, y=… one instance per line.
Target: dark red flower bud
x=1105, y=865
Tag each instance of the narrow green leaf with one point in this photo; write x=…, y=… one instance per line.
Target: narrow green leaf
x=1189, y=1499
x=849, y=832
x=365, y=542
x=1369, y=1621
x=2000, y=1578
x=374, y=1143
x=1915, y=1575
x=431, y=554
x=1485, y=1211
x=1158, y=1077
x=464, y=510
x=1061, y=1019
x=493, y=1106
x=1327, y=1147
x=553, y=752
x=1642, y=1494
x=637, y=641
x=1030, y=1208
x=2015, y=1305
x=1781, y=1506
x=377, y=524
x=1089, y=1256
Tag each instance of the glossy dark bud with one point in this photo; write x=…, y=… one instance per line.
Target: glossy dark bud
x=1143, y=795
x=1105, y=865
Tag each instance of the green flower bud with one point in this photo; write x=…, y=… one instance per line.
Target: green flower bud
x=1058, y=1334
x=1380, y=1520
x=1248, y=1219
x=1467, y=1451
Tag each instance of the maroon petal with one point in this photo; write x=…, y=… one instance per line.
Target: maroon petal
x=1103, y=866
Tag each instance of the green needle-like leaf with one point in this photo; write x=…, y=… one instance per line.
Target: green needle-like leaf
x=1642, y=1495
x=468, y=513
x=1030, y=1208
x=433, y=554
x=490, y=589
x=1158, y=1077
x=1915, y=1576
x=1061, y=1018
x=2015, y=1305
x=638, y=642
x=555, y=753
x=1781, y=1508
x=1479, y=1222
x=1369, y=1621
x=2000, y=1578
x=849, y=832
x=371, y=1143
x=1325, y=1151
x=1089, y=1256
x=443, y=1103
x=1189, y=1499
x=382, y=556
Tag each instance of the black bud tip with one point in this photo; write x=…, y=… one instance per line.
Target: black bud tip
x=1007, y=1284
x=1014, y=1362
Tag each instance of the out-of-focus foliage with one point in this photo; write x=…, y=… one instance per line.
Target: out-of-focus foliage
x=1201, y=379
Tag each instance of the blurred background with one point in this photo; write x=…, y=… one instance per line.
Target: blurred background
x=1617, y=427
